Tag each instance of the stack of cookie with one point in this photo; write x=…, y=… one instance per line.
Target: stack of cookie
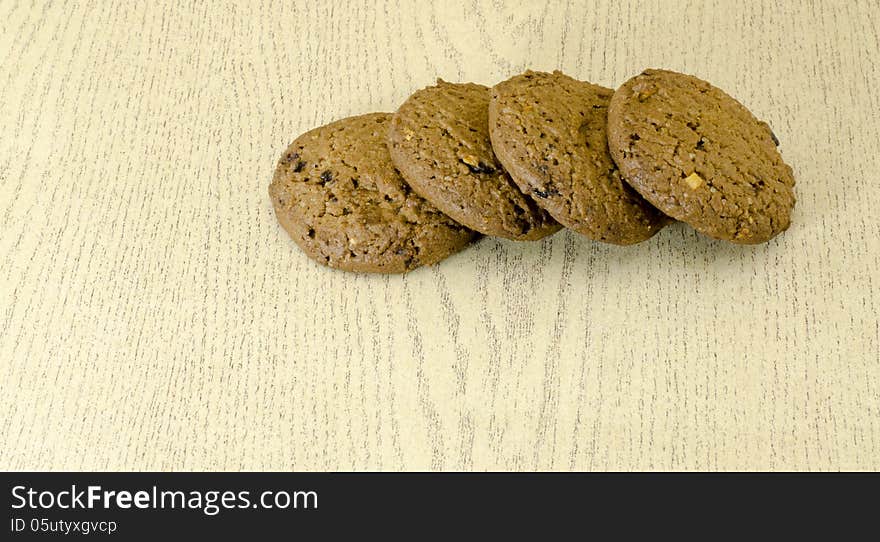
x=388, y=193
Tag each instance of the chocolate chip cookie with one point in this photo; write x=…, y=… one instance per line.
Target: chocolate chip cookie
x=549, y=132
x=700, y=156
x=439, y=140
x=340, y=198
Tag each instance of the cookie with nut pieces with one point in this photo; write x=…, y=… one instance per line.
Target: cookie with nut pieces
x=700, y=156
x=339, y=197
x=549, y=132
x=439, y=140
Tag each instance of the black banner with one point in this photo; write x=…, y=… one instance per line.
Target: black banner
x=133, y=506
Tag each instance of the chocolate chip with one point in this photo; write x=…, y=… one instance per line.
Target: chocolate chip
x=545, y=193
x=299, y=167
x=700, y=144
x=327, y=176
x=290, y=157
x=479, y=168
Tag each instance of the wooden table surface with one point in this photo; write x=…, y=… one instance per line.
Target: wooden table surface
x=155, y=316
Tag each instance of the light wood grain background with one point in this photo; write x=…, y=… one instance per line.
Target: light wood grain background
x=155, y=316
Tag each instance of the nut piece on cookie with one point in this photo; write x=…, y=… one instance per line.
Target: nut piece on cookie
x=693, y=180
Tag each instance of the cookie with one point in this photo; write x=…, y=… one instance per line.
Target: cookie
x=340, y=198
x=439, y=140
x=700, y=156
x=549, y=132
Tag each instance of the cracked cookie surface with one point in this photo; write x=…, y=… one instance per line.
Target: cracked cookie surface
x=549, y=132
x=439, y=140
x=339, y=197
x=700, y=156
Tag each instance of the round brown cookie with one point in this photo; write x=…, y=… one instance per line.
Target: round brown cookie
x=439, y=140
x=549, y=132
x=339, y=197
x=700, y=156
